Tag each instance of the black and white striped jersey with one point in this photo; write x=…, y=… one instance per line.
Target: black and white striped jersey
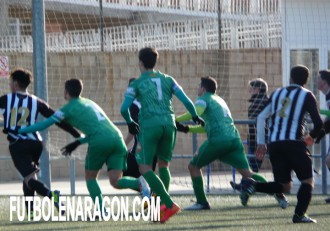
x=286, y=110
x=19, y=110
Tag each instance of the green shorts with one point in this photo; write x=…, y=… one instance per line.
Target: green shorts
x=156, y=141
x=228, y=151
x=112, y=152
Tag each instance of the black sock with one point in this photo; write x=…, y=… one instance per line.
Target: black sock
x=304, y=196
x=28, y=193
x=40, y=188
x=269, y=187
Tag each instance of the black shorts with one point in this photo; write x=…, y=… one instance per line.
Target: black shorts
x=288, y=156
x=25, y=155
x=133, y=167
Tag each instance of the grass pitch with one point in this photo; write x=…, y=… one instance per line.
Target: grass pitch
x=226, y=213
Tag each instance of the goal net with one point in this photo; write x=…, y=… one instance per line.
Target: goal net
x=98, y=40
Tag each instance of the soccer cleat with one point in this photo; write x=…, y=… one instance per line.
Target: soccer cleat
x=198, y=206
x=327, y=200
x=235, y=186
x=282, y=200
x=302, y=219
x=248, y=188
x=56, y=196
x=145, y=190
x=167, y=213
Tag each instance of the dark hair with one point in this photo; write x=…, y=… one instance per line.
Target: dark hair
x=325, y=75
x=148, y=56
x=74, y=87
x=209, y=83
x=299, y=74
x=259, y=83
x=22, y=77
x=131, y=80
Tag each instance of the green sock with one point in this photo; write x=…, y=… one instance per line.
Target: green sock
x=157, y=186
x=94, y=190
x=198, y=186
x=128, y=182
x=258, y=177
x=165, y=176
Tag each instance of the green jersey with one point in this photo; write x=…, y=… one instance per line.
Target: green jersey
x=154, y=90
x=218, y=121
x=88, y=117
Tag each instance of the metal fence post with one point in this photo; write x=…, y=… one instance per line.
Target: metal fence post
x=324, y=168
x=73, y=176
x=40, y=75
x=194, y=143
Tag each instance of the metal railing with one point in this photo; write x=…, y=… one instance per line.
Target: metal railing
x=237, y=6
x=179, y=35
x=322, y=155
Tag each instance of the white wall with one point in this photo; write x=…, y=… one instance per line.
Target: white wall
x=306, y=25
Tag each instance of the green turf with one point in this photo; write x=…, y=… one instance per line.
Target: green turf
x=227, y=213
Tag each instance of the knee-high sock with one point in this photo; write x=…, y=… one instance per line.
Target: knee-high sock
x=128, y=182
x=198, y=186
x=157, y=186
x=28, y=193
x=270, y=187
x=304, y=197
x=165, y=176
x=39, y=187
x=94, y=190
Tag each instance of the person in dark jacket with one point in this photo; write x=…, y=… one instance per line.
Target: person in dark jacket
x=258, y=90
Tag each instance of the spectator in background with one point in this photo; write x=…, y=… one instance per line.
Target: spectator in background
x=258, y=89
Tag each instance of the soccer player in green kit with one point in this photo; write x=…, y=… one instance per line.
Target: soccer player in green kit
x=157, y=131
x=105, y=141
x=223, y=140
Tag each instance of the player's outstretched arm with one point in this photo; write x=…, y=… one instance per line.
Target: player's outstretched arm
x=38, y=126
x=261, y=124
x=68, y=149
x=47, y=112
x=315, y=116
x=190, y=128
x=187, y=116
x=133, y=127
x=179, y=93
x=124, y=110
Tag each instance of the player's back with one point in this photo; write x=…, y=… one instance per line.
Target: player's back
x=20, y=110
x=218, y=121
x=288, y=109
x=88, y=117
x=154, y=90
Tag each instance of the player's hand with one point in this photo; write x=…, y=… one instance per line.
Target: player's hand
x=67, y=150
x=181, y=127
x=198, y=120
x=309, y=141
x=261, y=151
x=320, y=135
x=133, y=128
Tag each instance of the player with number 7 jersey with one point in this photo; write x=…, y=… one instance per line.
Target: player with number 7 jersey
x=105, y=141
x=154, y=90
